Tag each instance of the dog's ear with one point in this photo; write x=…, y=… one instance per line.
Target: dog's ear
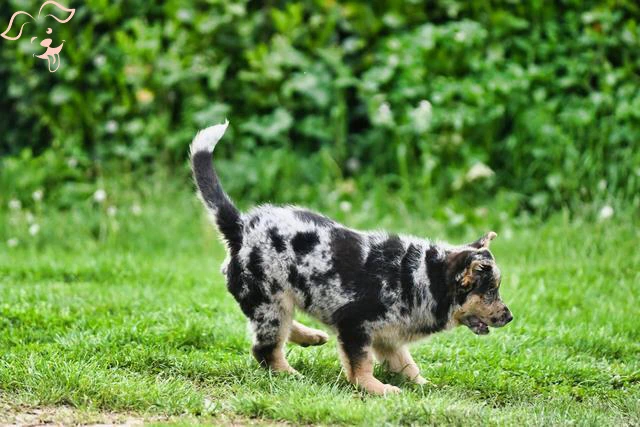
x=459, y=266
x=484, y=241
x=465, y=267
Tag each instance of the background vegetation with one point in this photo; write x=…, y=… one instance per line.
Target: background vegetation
x=534, y=102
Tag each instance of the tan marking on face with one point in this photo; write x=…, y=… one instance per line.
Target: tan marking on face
x=469, y=273
x=475, y=305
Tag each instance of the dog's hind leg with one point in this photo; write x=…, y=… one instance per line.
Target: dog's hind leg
x=399, y=360
x=306, y=336
x=271, y=323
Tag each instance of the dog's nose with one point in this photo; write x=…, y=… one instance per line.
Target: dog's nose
x=508, y=317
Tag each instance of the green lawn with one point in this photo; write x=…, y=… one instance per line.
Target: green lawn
x=107, y=318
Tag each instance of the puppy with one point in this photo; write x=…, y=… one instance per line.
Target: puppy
x=377, y=291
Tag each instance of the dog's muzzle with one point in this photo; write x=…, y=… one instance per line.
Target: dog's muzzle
x=476, y=325
x=480, y=327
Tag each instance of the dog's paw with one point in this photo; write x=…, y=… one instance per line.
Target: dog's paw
x=420, y=380
x=390, y=389
x=295, y=373
x=373, y=386
x=320, y=338
x=316, y=338
x=285, y=369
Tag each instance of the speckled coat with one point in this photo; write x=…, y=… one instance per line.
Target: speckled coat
x=377, y=291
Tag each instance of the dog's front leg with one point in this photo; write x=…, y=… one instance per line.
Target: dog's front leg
x=358, y=365
x=399, y=360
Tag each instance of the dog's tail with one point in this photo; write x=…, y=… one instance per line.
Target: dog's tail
x=225, y=214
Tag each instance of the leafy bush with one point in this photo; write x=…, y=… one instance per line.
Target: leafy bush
x=537, y=101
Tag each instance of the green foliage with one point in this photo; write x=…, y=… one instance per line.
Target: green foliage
x=537, y=101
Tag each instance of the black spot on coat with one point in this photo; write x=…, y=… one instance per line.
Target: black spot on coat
x=384, y=259
x=299, y=282
x=363, y=278
x=440, y=289
x=277, y=240
x=246, y=290
x=346, y=250
x=409, y=264
x=255, y=264
x=304, y=242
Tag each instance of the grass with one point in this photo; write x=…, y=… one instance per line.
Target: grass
x=128, y=314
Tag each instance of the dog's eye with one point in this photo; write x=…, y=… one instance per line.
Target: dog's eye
x=490, y=294
x=486, y=268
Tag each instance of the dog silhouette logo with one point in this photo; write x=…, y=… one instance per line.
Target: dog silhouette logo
x=63, y=15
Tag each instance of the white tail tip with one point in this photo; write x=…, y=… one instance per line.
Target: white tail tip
x=207, y=139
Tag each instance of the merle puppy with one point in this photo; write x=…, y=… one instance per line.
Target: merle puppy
x=377, y=291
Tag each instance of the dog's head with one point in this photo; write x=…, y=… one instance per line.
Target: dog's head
x=473, y=273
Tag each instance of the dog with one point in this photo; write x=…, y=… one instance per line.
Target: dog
x=377, y=291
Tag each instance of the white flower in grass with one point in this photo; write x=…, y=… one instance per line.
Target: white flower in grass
x=353, y=164
x=13, y=242
x=37, y=195
x=345, y=206
x=30, y=217
x=184, y=15
x=72, y=162
x=100, y=195
x=456, y=139
x=112, y=211
x=606, y=212
x=14, y=204
x=478, y=171
x=99, y=61
x=383, y=115
x=111, y=126
x=209, y=405
x=34, y=229
x=421, y=116
x=136, y=209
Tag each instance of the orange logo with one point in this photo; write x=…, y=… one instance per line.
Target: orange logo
x=51, y=54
